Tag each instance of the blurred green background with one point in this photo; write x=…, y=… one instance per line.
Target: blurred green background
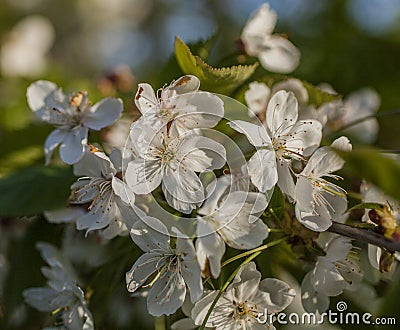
x=106, y=47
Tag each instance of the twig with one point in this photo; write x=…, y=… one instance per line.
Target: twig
x=365, y=235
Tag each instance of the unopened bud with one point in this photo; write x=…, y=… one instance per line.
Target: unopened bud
x=385, y=262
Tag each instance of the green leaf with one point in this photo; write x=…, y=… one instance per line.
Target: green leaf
x=376, y=168
x=362, y=206
x=218, y=80
x=317, y=96
x=34, y=190
x=203, y=47
x=37, y=135
x=20, y=158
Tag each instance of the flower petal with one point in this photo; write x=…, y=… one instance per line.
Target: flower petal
x=304, y=137
x=285, y=179
x=245, y=284
x=242, y=230
x=210, y=248
x=318, y=220
x=122, y=190
x=260, y=25
x=146, y=265
x=185, y=84
x=338, y=248
x=200, y=310
x=73, y=146
x=277, y=54
x=274, y=294
x=53, y=140
x=257, y=97
x=293, y=85
x=94, y=220
x=304, y=194
x=199, y=153
x=256, y=134
x=196, y=110
x=43, y=94
x=281, y=113
x=94, y=164
x=46, y=299
x=167, y=294
x=324, y=160
x=150, y=234
x=190, y=268
x=145, y=99
x=182, y=189
x=103, y=113
x=327, y=279
x=312, y=300
x=65, y=215
x=143, y=176
x=262, y=170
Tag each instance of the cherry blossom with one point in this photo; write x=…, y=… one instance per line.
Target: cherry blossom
x=164, y=157
x=62, y=293
x=231, y=219
x=181, y=104
x=336, y=271
x=244, y=301
x=318, y=201
x=172, y=263
x=73, y=116
x=282, y=139
x=274, y=51
x=111, y=200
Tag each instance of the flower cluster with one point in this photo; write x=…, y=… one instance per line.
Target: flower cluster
x=177, y=188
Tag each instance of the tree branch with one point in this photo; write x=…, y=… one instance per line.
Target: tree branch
x=365, y=235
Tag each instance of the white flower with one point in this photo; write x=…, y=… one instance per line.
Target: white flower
x=101, y=185
x=24, y=50
x=318, y=201
x=72, y=115
x=180, y=103
x=257, y=97
x=275, y=52
x=358, y=105
x=62, y=292
x=172, y=159
x=283, y=138
x=244, y=302
x=259, y=94
x=231, y=219
x=333, y=273
x=167, y=267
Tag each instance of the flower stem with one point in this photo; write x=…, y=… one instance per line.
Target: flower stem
x=355, y=195
x=275, y=230
x=159, y=323
x=260, y=248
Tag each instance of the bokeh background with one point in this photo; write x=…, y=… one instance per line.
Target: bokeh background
x=106, y=47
